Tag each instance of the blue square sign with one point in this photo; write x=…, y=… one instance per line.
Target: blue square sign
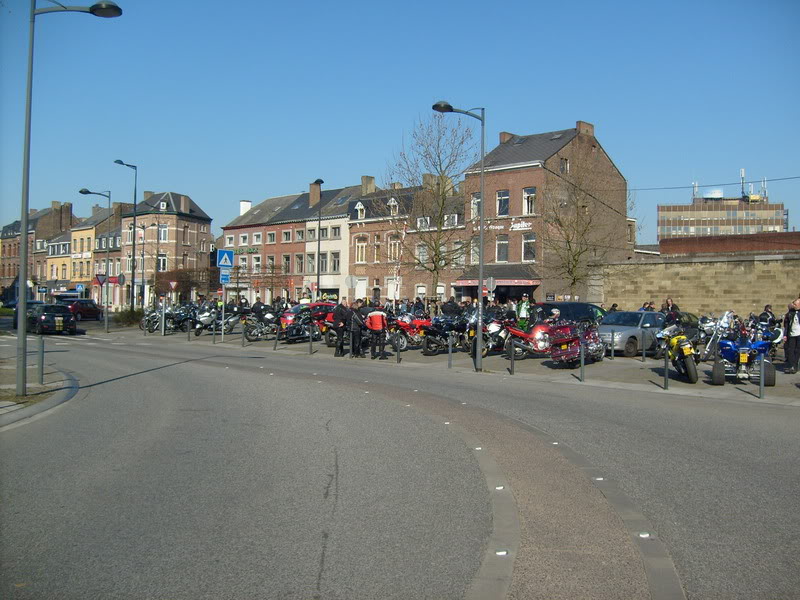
x=224, y=277
x=225, y=259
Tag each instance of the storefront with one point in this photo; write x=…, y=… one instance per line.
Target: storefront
x=511, y=282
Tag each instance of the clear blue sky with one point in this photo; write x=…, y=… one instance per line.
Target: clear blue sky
x=226, y=101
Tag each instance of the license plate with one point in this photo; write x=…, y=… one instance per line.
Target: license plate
x=687, y=350
x=283, y=325
x=743, y=357
x=563, y=346
x=471, y=333
x=422, y=333
x=59, y=323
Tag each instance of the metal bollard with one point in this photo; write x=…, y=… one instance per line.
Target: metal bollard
x=222, y=325
x=310, y=339
x=449, y=349
x=397, y=346
x=163, y=319
x=666, y=369
x=243, y=324
x=189, y=331
x=275, y=347
x=613, y=345
x=512, y=355
x=214, y=332
x=761, y=378
x=644, y=349
x=41, y=360
x=583, y=362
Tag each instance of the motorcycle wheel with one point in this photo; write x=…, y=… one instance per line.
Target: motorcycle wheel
x=184, y=326
x=518, y=352
x=429, y=347
x=659, y=353
x=690, y=369
x=251, y=333
x=151, y=326
x=198, y=331
x=718, y=373
x=330, y=339
x=141, y=323
x=402, y=342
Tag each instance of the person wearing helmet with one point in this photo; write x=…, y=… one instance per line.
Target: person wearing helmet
x=555, y=315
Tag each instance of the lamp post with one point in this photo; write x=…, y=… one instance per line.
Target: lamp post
x=144, y=229
x=446, y=107
x=104, y=9
x=319, y=182
x=104, y=285
x=133, y=241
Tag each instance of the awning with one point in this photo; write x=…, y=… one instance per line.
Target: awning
x=504, y=275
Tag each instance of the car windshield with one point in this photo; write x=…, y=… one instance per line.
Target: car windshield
x=625, y=319
x=56, y=309
x=296, y=309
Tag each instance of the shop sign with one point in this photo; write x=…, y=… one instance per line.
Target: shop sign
x=521, y=226
x=329, y=294
x=550, y=298
x=245, y=250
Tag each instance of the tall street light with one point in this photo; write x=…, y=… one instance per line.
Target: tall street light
x=144, y=229
x=445, y=107
x=104, y=9
x=319, y=183
x=133, y=242
x=104, y=285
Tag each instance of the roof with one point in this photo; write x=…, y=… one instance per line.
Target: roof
x=151, y=206
x=96, y=218
x=376, y=204
x=113, y=233
x=504, y=271
x=13, y=229
x=333, y=203
x=263, y=211
x=61, y=238
x=521, y=149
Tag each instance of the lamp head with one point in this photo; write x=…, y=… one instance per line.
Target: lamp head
x=443, y=106
x=105, y=9
x=84, y=191
x=319, y=182
x=119, y=162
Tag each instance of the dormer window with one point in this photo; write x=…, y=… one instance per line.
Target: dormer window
x=423, y=223
x=162, y=206
x=392, y=207
x=360, y=211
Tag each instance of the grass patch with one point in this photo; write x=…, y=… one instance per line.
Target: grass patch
x=6, y=312
x=129, y=318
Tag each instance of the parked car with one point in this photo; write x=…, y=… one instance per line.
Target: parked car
x=83, y=309
x=51, y=318
x=572, y=311
x=30, y=307
x=632, y=330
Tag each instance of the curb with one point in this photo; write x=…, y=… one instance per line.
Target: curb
x=67, y=392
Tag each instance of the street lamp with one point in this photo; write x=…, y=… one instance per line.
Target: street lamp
x=103, y=285
x=144, y=229
x=445, y=107
x=133, y=242
x=99, y=9
x=319, y=182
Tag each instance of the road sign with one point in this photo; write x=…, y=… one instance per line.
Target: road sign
x=350, y=281
x=173, y=284
x=224, y=277
x=101, y=278
x=121, y=279
x=79, y=287
x=491, y=284
x=225, y=259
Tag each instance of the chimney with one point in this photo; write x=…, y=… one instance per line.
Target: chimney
x=367, y=185
x=244, y=206
x=438, y=184
x=505, y=136
x=184, y=204
x=313, y=194
x=66, y=216
x=429, y=181
x=32, y=211
x=96, y=209
x=395, y=185
x=584, y=127
x=55, y=204
x=146, y=196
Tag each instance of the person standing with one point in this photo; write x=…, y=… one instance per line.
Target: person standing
x=356, y=323
x=341, y=315
x=767, y=316
x=523, y=312
x=791, y=347
x=376, y=323
x=670, y=306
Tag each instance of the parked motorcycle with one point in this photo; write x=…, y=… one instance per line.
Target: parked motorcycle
x=409, y=329
x=566, y=339
x=680, y=350
x=739, y=355
x=535, y=340
x=300, y=329
x=435, y=336
x=256, y=329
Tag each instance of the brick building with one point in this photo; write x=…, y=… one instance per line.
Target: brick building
x=756, y=243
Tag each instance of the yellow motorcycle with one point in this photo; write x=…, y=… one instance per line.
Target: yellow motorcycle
x=680, y=350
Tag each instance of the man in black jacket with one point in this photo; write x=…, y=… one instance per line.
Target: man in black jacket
x=356, y=324
x=791, y=327
x=341, y=316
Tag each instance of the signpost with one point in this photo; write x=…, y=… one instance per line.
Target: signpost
x=224, y=277
x=225, y=259
x=491, y=283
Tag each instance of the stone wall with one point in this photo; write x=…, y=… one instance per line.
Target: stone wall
x=704, y=285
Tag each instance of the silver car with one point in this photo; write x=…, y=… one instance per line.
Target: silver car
x=632, y=330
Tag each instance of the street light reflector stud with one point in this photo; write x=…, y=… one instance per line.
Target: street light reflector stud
x=442, y=106
x=107, y=9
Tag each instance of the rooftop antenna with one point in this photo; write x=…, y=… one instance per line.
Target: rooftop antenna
x=741, y=173
x=764, y=187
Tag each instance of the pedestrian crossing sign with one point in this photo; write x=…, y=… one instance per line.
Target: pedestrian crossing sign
x=225, y=259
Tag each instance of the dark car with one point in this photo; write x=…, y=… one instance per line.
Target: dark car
x=83, y=309
x=30, y=307
x=51, y=318
x=690, y=323
x=572, y=311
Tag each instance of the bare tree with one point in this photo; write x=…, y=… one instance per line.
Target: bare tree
x=427, y=212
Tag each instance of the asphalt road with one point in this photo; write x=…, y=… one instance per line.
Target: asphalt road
x=186, y=470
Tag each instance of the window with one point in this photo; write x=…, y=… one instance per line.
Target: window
x=102, y=243
x=336, y=232
x=323, y=233
x=422, y=254
x=334, y=262
x=299, y=235
x=270, y=237
x=458, y=253
x=228, y=240
x=311, y=263
x=323, y=262
x=360, y=211
x=118, y=264
x=475, y=205
x=63, y=271
x=502, y=203
x=501, y=248
x=243, y=239
x=312, y=235
x=52, y=271
x=88, y=244
x=186, y=235
x=361, y=250
x=392, y=207
x=271, y=263
x=394, y=249
x=163, y=232
x=529, y=247
x=204, y=228
x=287, y=236
x=564, y=165
x=450, y=220
x=299, y=261
x=81, y=250
x=162, y=262
x=474, y=251
x=202, y=245
x=128, y=263
x=256, y=264
x=287, y=263
x=528, y=200
x=243, y=264
x=162, y=206
x=256, y=238
x=423, y=223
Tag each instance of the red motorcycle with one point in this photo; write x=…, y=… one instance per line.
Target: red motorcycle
x=566, y=339
x=408, y=329
x=534, y=341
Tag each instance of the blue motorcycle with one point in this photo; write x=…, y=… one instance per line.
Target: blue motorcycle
x=739, y=354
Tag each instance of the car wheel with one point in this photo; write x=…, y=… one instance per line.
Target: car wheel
x=631, y=347
x=78, y=316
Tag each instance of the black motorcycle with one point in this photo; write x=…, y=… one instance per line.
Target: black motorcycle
x=435, y=336
x=302, y=326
